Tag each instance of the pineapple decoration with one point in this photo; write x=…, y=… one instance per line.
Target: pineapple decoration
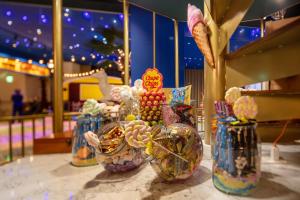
x=152, y=100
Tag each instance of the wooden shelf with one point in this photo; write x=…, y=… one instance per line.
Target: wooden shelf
x=271, y=93
x=273, y=57
x=277, y=39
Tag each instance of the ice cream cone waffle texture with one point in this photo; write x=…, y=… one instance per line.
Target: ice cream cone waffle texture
x=198, y=29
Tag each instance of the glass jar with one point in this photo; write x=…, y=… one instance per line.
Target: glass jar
x=176, y=151
x=83, y=154
x=113, y=151
x=236, y=157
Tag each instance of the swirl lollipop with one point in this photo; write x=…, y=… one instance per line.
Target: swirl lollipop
x=232, y=95
x=245, y=108
x=137, y=133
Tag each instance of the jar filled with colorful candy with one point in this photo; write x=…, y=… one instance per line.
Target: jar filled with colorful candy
x=235, y=145
x=112, y=149
x=83, y=153
x=176, y=151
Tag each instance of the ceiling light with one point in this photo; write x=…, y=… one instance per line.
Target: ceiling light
x=50, y=65
x=8, y=13
x=24, y=18
x=83, y=58
x=39, y=31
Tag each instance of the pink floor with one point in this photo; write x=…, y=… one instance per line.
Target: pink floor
x=28, y=135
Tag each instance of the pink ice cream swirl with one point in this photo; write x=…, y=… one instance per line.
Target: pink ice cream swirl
x=194, y=17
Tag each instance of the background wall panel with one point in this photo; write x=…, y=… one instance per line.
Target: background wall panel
x=141, y=41
x=165, y=53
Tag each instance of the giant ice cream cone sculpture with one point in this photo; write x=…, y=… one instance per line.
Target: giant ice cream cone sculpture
x=198, y=29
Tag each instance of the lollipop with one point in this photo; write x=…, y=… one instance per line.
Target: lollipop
x=115, y=94
x=137, y=133
x=232, y=95
x=245, y=108
x=92, y=138
x=125, y=93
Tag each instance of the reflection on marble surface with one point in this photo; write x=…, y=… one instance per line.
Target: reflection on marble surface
x=50, y=177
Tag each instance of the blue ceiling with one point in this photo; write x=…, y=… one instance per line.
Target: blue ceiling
x=26, y=31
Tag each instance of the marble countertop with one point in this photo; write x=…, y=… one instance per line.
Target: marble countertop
x=48, y=177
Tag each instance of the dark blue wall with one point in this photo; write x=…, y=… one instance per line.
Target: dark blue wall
x=165, y=52
x=141, y=41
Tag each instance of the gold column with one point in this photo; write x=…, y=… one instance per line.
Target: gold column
x=58, y=67
x=154, y=38
x=214, y=81
x=126, y=41
x=176, y=53
x=262, y=28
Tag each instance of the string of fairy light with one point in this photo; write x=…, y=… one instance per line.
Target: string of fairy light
x=91, y=72
x=75, y=49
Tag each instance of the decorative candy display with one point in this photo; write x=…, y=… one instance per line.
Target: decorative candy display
x=179, y=113
x=132, y=125
x=92, y=107
x=236, y=147
x=151, y=107
x=83, y=153
x=245, y=108
x=152, y=80
x=178, y=95
x=176, y=150
x=236, y=158
x=232, y=95
x=115, y=94
x=223, y=109
x=112, y=151
x=199, y=31
x=137, y=133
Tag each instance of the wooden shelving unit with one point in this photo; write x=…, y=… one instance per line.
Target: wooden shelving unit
x=272, y=57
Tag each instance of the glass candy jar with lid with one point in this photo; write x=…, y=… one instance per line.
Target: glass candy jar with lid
x=176, y=150
x=236, y=156
x=114, y=153
x=83, y=154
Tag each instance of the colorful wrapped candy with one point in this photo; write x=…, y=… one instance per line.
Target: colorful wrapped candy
x=112, y=150
x=245, y=108
x=137, y=133
x=151, y=106
x=176, y=150
x=178, y=95
x=179, y=113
